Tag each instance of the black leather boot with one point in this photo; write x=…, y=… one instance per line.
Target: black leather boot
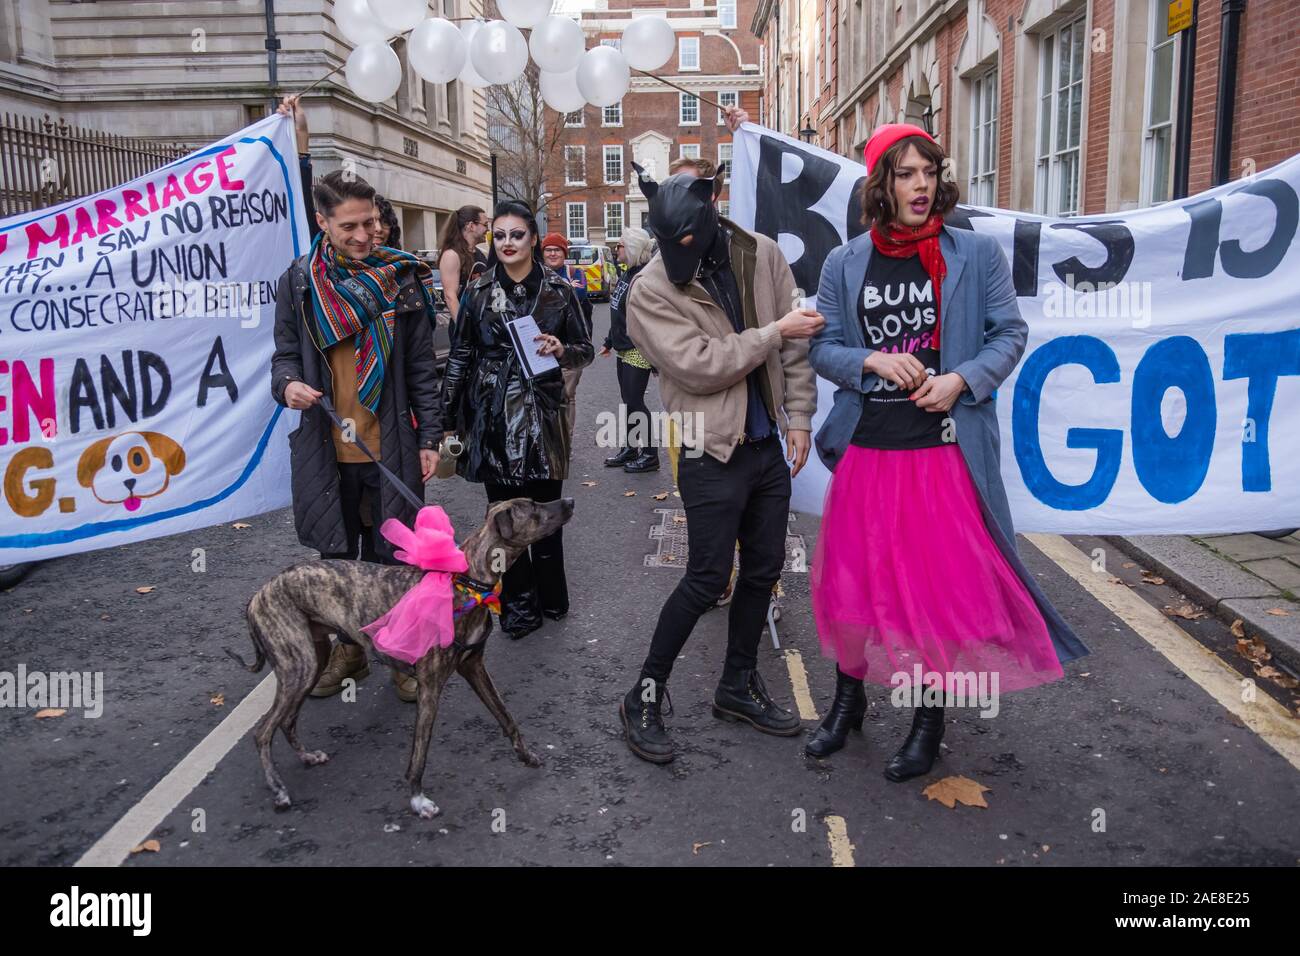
x=622, y=458
x=741, y=696
x=646, y=460
x=920, y=749
x=644, y=723
x=520, y=613
x=847, y=711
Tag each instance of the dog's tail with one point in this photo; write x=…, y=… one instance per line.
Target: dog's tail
x=255, y=633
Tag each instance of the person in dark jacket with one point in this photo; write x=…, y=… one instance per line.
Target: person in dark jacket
x=351, y=322
x=511, y=425
x=633, y=250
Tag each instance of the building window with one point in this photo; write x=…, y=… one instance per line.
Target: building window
x=616, y=43
x=826, y=53
x=724, y=161
x=688, y=109
x=574, y=118
x=1060, y=109
x=613, y=164
x=727, y=98
x=612, y=115
x=613, y=220
x=1158, y=136
x=727, y=14
x=575, y=165
x=983, y=139
x=576, y=216
x=724, y=208
x=688, y=53
x=817, y=58
x=690, y=151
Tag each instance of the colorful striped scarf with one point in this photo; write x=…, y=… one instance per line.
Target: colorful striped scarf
x=351, y=296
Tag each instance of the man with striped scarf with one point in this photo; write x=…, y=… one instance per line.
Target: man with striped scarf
x=353, y=321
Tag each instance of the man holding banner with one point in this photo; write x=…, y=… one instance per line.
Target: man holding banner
x=916, y=579
x=353, y=322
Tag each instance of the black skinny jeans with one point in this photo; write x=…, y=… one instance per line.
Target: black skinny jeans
x=746, y=500
x=536, y=581
x=632, y=383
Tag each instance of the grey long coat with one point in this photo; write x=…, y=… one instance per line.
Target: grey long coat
x=981, y=336
x=410, y=386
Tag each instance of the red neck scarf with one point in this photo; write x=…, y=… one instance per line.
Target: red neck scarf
x=899, y=242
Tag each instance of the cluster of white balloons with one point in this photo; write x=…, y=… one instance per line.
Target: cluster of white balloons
x=482, y=53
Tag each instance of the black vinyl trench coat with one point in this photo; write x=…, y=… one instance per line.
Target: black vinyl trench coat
x=512, y=426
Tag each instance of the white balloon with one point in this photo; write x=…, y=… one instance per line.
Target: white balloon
x=373, y=72
x=524, y=13
x=603, y=76
x=499, y=52
x=560, y=91
x=556, y=44
x=357, y=24
x=468, y=75
x=648, y=42
x=437, y=50
x=398, y=16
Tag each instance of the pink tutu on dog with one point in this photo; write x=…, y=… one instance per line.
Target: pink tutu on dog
x=906, y=573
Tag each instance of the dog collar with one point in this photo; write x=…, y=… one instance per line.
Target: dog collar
x=470, y=593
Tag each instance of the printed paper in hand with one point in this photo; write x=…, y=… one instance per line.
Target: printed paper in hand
x=522, y=332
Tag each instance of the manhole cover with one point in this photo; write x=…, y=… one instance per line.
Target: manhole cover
x=669, y=536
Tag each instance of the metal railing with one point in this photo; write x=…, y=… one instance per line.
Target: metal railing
x=44, y=162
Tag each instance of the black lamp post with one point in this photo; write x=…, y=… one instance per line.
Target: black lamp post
x=927, y=115
x=807, y=133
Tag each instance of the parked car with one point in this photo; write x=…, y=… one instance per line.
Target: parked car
x=598, y=263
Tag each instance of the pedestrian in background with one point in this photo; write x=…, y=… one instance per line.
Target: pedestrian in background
x=632, y=368
x=458, y=253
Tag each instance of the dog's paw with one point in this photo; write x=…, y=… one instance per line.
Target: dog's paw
x=423, y=806
x=313, y=758
x=282, y=801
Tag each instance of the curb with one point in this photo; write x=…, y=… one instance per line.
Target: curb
x=1280, y=634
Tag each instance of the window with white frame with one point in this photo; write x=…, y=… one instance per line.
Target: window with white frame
x=983, y=139
x=574, y=119
x=575, y=165
x=575, y=214
x=724, y=161
x=613, y=156
x=688, y=109
x=688, y=53
x=613, y=220
x=827, y=32
x=1060, y=112
x=612, y=115
x=727, y=14
x=690, y=151
x=817, y=58
x=727, y=98
x=1158, y=115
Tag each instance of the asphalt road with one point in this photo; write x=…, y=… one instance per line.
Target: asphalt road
x=1127, y=740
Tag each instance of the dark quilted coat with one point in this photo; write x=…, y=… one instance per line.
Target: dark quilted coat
x=410, y=386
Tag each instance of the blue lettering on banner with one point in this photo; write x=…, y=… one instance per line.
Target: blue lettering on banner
x=1260, y=358
x=1172, y=468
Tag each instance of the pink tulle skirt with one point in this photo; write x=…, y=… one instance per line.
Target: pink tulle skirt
x=905, y=573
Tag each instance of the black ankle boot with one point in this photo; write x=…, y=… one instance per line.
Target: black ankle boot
x=622, y=458
x=741, y=696
x=920, y=749
x=646, y=460
x=644, y=723
x=847, y=711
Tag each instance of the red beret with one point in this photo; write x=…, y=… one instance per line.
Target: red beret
x=885, y=137
x=555, y=239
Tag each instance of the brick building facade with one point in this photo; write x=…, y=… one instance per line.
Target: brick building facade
x=1053, y=106
x=592, y=188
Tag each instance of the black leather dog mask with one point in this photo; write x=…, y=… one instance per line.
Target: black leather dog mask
x=680, y=206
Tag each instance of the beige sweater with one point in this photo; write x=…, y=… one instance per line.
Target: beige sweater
x=703, y=361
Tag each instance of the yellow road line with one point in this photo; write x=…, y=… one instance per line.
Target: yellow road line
x=799, y=680
x=837, y=835
x=1265, y=716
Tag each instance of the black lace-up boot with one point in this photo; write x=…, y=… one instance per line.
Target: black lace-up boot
x=644, y=723
x=742, y=696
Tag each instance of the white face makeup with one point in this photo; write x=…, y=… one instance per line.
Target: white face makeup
x=512, y=239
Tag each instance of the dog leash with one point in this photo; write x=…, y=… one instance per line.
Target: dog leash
x=406, y=492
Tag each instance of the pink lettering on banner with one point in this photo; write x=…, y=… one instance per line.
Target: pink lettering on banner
x=223, y=174
x=27, y=400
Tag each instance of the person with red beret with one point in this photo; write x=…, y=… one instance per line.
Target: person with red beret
x=554, y=250
x=916, y=571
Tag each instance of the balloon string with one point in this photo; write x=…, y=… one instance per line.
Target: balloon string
x=702, y=99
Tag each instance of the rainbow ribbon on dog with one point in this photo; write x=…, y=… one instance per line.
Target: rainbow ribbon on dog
x=470, y=596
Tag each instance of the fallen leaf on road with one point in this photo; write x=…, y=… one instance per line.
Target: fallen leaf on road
x=661, y=496
x=668, y=557
x=1253, y=649
x=153, y=846
x=1188, y=612
x=679, y=519
x=1129, y=564
x=1150, y=578
x=50, y=712
x=144, y=590
x=951, y=791
x=696, y=847
x=1238, y=628
x=677, y=494
x=219, y=700
x=240, y=525
x=629, y=494
x=1278, y=612
x=589, y=484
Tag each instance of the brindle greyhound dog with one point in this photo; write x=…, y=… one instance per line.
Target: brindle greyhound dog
x=291, y=617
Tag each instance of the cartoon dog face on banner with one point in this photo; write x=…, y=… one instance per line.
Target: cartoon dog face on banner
x=127, y=468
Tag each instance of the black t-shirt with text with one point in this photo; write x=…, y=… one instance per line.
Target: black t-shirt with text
x=897, y=310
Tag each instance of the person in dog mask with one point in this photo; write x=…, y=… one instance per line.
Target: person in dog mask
x=352, y=321
x=717, y=313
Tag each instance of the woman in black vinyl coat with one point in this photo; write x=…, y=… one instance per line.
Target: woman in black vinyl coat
x=512, y=426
